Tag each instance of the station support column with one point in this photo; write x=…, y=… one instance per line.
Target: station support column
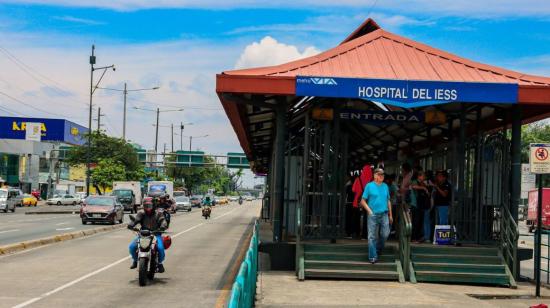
x=279, y=171
x=515, y=174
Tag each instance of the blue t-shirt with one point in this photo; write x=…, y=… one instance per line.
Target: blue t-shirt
x=377, y=197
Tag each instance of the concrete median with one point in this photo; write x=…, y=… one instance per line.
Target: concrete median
x=12, y=248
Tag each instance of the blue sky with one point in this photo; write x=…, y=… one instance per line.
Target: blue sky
x=181, y=44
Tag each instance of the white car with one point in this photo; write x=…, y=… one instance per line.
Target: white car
x=249, y=198
x=233, y=198
x=64, y=200
x=183, y=203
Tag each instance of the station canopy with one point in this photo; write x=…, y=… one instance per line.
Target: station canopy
x=374, y=74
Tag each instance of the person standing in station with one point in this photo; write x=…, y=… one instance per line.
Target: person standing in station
x=376, y=202
x=442, y=197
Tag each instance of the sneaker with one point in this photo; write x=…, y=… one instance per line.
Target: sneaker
x=372, y=261
x=134, y=265
x=160, y=268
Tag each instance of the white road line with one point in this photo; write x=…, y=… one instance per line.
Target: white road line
x=63, y=229
x=63, y=287
x=8, y=231
x=62, y=223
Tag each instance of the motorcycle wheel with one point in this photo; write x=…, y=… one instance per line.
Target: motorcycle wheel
x=152, y=269
x=143, y=272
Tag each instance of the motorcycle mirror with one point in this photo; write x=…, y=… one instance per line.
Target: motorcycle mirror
x=132, y=218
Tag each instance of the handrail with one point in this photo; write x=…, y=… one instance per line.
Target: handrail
x=243, y=292
x=404, y=232
x=509, y=240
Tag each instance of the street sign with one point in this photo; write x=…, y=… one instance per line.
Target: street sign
x=33, y=131
x=528, y=181
x=539, y=159
x=407, y=93
x=190, y=158
x=237, y=160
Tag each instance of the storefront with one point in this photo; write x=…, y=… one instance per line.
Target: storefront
x=31, y=164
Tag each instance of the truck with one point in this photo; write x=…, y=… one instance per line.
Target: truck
x=155, y=188
x=533, y=198
x=129, y=194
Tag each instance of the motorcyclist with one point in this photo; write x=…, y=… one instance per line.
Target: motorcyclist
x=149, y=219
x=240, y=199
x=165, y=203
x=207, y=201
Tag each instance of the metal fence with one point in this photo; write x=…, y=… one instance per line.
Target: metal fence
x=244, y=287
x=545, y=258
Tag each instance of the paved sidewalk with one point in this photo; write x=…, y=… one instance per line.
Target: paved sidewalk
x=282, y=289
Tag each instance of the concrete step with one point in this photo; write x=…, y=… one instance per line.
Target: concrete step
x=453, y=250
x=463, y=259
x=346, y=256
x=460, y=277
x=351, y=274
x=460, y=267
x=350, y=265
x=344, y=248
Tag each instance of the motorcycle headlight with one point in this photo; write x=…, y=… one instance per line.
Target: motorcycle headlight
x=145, y=243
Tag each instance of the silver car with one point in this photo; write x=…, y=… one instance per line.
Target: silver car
x=64, y=200
x=183, y=203
x=6, y=201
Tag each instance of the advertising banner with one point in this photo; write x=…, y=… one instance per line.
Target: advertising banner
x=407, y=93
x=50, y=130
x=33, y=131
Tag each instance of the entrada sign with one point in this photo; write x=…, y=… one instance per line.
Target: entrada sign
x=407, y=93
x=369, y=116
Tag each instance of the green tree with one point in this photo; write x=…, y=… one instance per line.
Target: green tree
x=533, y=133
x=106, y=172
x=116, y=150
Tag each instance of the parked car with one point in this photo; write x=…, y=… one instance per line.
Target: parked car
x=196, y=201
x=233, y=199
x=249, y=198
x=183, y=203
x=15, y=196
x=179, y=193
x=29, y=200
x=5, y=203
x=102, y=209
x=64, y=200
x=81, y=196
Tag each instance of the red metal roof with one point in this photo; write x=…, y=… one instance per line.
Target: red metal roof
x=384, y=55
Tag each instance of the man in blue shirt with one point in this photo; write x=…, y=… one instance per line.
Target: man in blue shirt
x=376, y=201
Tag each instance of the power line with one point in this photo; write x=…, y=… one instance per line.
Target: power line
x=27, y=69
x=31, y=106
x=174, y=106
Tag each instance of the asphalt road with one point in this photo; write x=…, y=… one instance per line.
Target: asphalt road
x=17, y=227
x=93, y=271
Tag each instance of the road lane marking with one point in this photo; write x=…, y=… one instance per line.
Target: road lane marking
x=69, y=284
x=8, y=231
x=62, y=223
x=63, y=229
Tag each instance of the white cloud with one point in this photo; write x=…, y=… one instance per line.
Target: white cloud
x=466, y=8
x=77, y=20
x=271, y=52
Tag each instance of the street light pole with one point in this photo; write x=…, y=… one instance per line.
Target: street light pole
x=157, y=131
x=172, y=128
x=190, y=141
x=124, y=113
x=89, y=147
x=181, y=136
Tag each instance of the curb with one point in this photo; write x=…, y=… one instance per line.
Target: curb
x=11, y=248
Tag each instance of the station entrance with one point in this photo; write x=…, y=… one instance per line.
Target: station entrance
x=379, y=99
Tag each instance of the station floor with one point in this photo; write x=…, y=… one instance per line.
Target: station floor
x=282, y=289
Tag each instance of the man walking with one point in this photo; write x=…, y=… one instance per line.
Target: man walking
x=376, y=201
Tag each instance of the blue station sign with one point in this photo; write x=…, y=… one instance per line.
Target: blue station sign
x=51, y=129
x=407, y=93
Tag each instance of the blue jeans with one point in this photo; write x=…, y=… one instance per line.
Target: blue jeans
x=443, y=215
x=160, y=248
x=427, y=225
x=379, y=230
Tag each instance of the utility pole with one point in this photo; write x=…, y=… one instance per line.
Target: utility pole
x=89, y=147
x=181, y=136
x=157, y=132
x=172, y=128
x=190, y=141
x=99, y=119
x=124, y=114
